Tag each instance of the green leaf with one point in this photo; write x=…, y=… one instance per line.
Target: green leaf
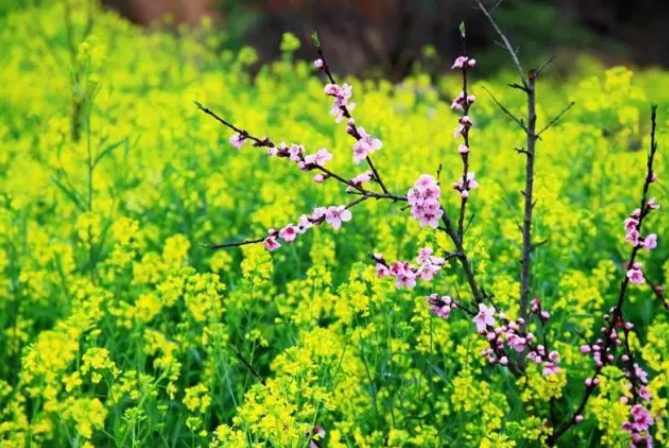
x=315, y=40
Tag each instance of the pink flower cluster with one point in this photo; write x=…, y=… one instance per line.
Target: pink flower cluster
x=510, y=334
x=333, y=215
x=238, y=139
x=405, y=273
x=423, y=198
x=341, y=95
x=639, y=427
x=365, y=144
x=633, y=236
x=441, y=306
x=296, y=153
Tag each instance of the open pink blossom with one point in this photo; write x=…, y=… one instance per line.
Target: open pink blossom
x=304, y=224
x=484, y=318
x=320, y=158
x=237, y=140
x=365, y=145
x=296, y=152
x=464, y=62
x=288, y=233
x=631, y=224
x=635, y=275
x=360, y=179
x=650, y=242
x=271, y=243
x=335, y=215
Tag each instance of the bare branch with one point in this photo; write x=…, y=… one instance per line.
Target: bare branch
x=544, y=65
x=507, y=111
x=507, y=44
x=557, y=117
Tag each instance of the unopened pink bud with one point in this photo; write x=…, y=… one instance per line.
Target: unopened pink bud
x=585, y=349
x=319, y=63
x=578, y=418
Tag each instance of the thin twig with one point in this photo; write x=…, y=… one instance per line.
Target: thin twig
x=507, y=44
x=557, y=117
x=506, y=111
x=248, y=365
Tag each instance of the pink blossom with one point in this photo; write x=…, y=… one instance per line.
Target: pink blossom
x=424, y=201
x=644, y=393
x=642, y=418
x=632, y=237
x=461, y=101
x=404, y=275
x=288, y=233
x=463, y=149
x=640, y=374
x=461, y=186
x=650, y=242
x=652, y=204
x=635, y=275
x=271, y=243
x=296, y=152
x=341, y=96
x=319, y=178
x=382, y=270
x=464, y=124
x=238, y=140
x=550, y=368
x=318, y=214
x=578, y=418
x=464, y=62
x=485, y=317
x=441, y=306
x=365, y=145
x=335, y=215
x=303, y=224
x=319, y=63
x=360, y=179
x=631, y=224
x=322, y=156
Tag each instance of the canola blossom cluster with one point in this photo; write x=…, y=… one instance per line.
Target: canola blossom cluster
x=120, y=326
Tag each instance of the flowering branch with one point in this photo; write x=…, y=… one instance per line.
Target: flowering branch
x=295, y=152
x=365, y=144
x=603, y=350
x=463, y=102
